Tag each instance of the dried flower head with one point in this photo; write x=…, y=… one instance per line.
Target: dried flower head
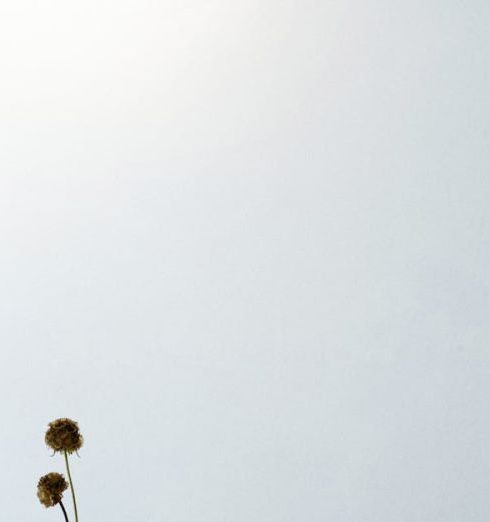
x=50, y=489
x=64, y=435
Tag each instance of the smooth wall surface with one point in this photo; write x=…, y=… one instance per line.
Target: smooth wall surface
x=246, y=245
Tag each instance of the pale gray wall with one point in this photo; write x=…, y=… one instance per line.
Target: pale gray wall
x=246, y=244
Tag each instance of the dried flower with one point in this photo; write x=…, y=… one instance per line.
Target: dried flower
x=50, y=489
x=64, y=435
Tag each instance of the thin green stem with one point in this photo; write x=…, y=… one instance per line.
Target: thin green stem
x=71, y=487
x=64, y=511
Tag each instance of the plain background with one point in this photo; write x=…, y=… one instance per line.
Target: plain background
x=246, y=245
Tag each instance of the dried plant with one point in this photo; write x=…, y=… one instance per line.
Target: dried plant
x=63, y=436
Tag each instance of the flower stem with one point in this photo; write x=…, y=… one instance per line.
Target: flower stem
x=64, y=511
x=71, y=487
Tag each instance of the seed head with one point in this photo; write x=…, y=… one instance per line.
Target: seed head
x=50, y=489
x=64, y=435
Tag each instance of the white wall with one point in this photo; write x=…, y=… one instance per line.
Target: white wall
x=246, y=245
